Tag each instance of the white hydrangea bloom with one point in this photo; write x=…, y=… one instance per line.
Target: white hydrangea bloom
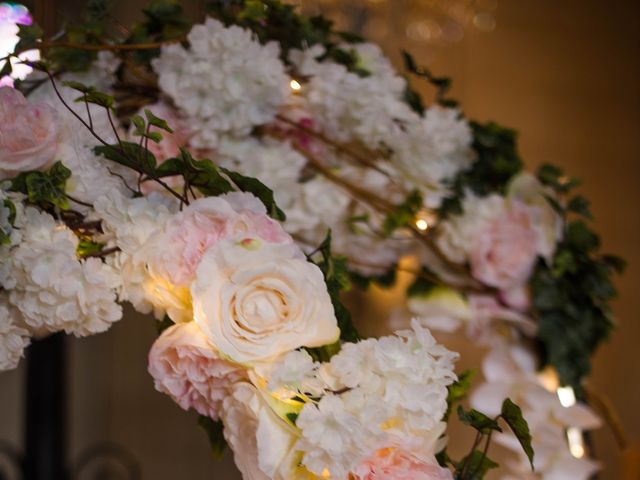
x=128, y=223
x=276, y=164
x=295, y=372
x=395, y=391
x=347, y=106
x=91, y=175
x=226, y=82
x=53, y=289
x=13, y=338
x=318, y=205
x=432, y=150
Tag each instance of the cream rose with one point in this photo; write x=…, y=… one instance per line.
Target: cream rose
x=173, y=255
x=256, y=300
x=28, y=134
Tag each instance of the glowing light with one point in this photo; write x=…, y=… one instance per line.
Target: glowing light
x=576, y=442
x=12, y=15
x=424, y=220
x=295, y=85
x=567, y=396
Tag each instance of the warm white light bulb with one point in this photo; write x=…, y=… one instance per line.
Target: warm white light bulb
x=422, y=224
x=295, y=85
x=567, y=396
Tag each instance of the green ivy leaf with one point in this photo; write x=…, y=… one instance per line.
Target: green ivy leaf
x=512, y=415
x=259, y=189
x=156, y=121
x=44, y=188
x=214, y=430
x=458, y=391
x=474, y=466
x=478, y=420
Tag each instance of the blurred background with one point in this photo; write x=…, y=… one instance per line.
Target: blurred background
x=565, y=74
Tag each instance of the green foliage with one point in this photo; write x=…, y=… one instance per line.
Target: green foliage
x=512, y=415
x=130, y=155
x=441, y=84
x=497, y=161
x=384, y=280
x=91, y=95
x=163, y=20
x=478, y=420
x=5, y=233
x=259, y=189
x=214, y=430
x=44, y=188
x=421, y=286
x=88, y=247
x=571, y=295
x=474, y=466
x=404, y=214
x=336, y=276
x=458, y=391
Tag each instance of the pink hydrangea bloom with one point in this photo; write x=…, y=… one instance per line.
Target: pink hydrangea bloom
x=504, y=253
x=186, y=367
x=29, y=134
x=393, y=464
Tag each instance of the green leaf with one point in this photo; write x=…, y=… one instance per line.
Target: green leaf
x=88, y=247
x=130, y=155
x=420, y=286
x=478, y=420
x=336, y=277
x=580, y=206
x=259, y=189
x=512, y=415
x=214, y=430
x=44, y=188
x=204, y=175
x=474, y=466
x=156, y=121
x=459, y=390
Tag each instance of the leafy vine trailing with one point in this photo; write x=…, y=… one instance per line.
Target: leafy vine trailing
x=568, y=287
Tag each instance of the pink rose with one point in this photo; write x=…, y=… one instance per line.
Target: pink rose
x=191, y=232
x=28, y=134
x=186, y=367
x=504, y=252
x=392, y=464
x=169, y=146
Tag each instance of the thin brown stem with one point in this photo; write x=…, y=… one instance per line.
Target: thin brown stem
x=610, y=416
x=98, y=47
x=101, y=253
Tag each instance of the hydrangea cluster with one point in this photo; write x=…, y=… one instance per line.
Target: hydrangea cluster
x=51, y=288
x=226, y=81
x=180, y=211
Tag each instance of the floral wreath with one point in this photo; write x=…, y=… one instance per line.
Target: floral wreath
x=233, y=178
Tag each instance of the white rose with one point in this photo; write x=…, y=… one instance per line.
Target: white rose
x=256, y=300
x=262, y=442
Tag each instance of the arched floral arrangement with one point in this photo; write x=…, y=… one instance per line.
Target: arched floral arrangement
x=233, y=178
